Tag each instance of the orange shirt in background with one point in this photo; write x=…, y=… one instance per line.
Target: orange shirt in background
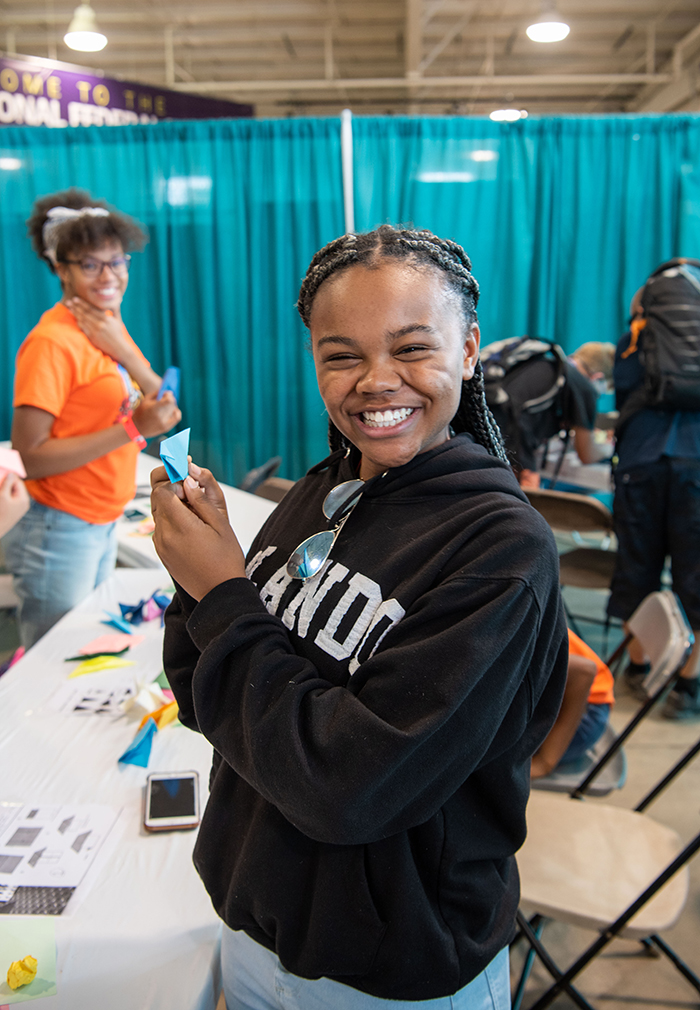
x=601, y=692
x=59, y=370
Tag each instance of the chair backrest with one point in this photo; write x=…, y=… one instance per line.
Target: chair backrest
x=274, y=488
x=661, y=628
x=566, y=511
x=255, y=477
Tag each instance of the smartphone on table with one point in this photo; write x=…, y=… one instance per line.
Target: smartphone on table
x=172, y=801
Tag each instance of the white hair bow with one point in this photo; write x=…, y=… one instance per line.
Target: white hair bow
x=56, y=217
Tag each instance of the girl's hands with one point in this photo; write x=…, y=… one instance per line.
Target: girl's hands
x=14, y=501
x=154, y=416
x=193, y=536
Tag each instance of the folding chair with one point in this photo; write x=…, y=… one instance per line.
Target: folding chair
x=583, y=567
x=274, y=488
x=661, y=627
x=604, y=867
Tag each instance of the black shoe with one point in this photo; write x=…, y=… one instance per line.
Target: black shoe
x=634, y=676
x=684, y=700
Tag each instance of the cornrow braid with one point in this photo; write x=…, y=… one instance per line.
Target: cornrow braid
x=422, y=247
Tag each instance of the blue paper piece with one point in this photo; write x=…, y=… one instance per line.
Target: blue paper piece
x=173, y=452
x=170, y=383
x=114, y=621
x=133, y=613
x=139, y=750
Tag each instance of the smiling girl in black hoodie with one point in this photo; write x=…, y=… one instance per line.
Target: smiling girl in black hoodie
x=373, y=708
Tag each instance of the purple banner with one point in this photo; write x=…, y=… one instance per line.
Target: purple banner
x=35, y=92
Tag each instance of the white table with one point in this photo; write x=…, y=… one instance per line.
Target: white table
x=247, y=513
x=144, y=935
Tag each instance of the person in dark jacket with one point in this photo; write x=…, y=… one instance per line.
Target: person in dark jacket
x=373, y=695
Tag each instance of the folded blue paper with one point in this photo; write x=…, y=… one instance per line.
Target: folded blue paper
x=173, y=452
x=115, y=621
x=139, y=750
x=170, y=383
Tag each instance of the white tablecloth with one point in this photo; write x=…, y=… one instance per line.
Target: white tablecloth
x=247, y=513
x=144, y=935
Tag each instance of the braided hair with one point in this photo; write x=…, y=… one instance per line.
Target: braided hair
x=419, y=246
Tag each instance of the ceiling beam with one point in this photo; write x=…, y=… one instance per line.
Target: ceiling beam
x=492, y=82
x=684, y=84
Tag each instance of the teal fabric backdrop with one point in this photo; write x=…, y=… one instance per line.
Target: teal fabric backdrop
x=564, y=219
x=235, y=210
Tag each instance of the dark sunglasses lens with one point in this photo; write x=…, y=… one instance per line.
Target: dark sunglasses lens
x=309, y=557
x=341, y=498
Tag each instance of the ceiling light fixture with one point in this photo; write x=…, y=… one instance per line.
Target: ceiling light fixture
x=83, y=33
x=507, y=115
x=550, y=27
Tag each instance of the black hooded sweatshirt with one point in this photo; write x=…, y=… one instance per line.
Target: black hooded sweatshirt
x=373, y=727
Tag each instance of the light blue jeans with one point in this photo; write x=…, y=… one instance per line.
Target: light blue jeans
x=56, y=560
x=254, y=979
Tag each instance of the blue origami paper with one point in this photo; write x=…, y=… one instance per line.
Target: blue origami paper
x=114, y=621
x=139, y=750
x=173, y=452
x=170, y=383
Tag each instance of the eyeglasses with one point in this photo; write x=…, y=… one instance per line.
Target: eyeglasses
x=93, y=268
x=310, y=556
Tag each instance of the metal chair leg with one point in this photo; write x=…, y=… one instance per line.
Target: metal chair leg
x=682, y=967
x=537, y=923
x=560, y=982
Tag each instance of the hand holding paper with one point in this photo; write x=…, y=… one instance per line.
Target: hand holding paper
x=173, y=452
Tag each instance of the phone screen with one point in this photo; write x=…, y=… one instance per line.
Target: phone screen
x=172, y=798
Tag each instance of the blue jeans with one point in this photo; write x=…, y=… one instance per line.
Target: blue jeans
x=56, y=560
x=589, y=731
x=254, y=979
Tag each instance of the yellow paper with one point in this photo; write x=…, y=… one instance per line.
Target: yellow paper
x=22, y=972
x=98, y=663
x=162, y=716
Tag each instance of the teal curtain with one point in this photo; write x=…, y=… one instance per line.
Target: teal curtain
x=563, y=218
x=235, y=210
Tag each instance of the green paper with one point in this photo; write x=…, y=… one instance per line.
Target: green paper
x=94, y=655
x=162, y=681
x=35, y=936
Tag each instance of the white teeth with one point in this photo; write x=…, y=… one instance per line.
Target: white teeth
x=385, y=418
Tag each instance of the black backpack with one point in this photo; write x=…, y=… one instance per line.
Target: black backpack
x=501, y=360
x=667, y=339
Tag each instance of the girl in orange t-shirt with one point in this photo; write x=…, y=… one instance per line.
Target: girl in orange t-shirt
x=85, y=401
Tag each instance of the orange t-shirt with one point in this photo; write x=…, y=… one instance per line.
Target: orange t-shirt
x=601, y=692
x=59, y=370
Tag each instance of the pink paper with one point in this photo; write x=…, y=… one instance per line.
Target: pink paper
x=110, y=643
x=11, y=460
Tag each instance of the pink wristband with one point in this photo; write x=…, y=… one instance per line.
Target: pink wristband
x=132, y=431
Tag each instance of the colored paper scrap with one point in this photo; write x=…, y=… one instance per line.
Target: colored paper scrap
x=114, y=621
x=173, y=452
x=139, y=750
x=10, y=460
x=19, y=936
x=145, y=610
x=170, y=383
x=148, y=699
x=105, y=645
x=98, y=663
x=22, y=972
x=93, y=655
x=162, y=716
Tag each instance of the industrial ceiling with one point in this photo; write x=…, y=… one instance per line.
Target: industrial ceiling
x=316, y=57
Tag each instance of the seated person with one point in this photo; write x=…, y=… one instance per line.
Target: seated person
x=573, y=409
x=585, y=708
